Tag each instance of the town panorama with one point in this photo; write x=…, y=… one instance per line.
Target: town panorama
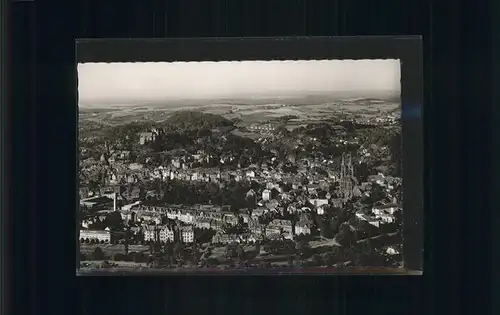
x=306, y=180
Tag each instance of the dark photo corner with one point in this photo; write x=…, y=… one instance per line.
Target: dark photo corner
x=459, y=164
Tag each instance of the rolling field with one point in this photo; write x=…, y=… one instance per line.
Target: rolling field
x=247, y=113
x=110, y=249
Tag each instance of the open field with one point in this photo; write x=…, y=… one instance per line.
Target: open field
x=109, y=249
x=324, y=242
x=248, y=114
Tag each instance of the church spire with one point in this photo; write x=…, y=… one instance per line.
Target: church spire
x=342, y=167
x=350, y=166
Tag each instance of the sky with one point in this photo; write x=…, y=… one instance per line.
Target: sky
x=101, y=83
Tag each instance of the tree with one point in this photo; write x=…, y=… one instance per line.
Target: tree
x=345, y=237
x=281, y=130
x=317, y=260
x=367, y=247
x=178, y=249
x=118, y=257
x=142, y=192
x=398, y=219
x=230, y=251
x=114, y=221
x=337, y=252
x=94, y=186
x=328, y=259
x=354, y=255
x=302, y=247
x=98, y=254
x=130, y=188
x=377, y=193
x=323, y=226
x=297, y=262
x=396, y=153
x=139, y=257
x=240, y=252
x=334, y=225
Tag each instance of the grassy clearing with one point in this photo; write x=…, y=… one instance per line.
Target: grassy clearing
x=109, y=249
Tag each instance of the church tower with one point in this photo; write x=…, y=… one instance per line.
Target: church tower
x=342, y=167
x=105, y=156
x=346, y=176
x=350, y=167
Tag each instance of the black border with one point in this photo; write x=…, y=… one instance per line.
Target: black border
x=408, y=49
x=495, y=187
x=19, y=165
x=5, y=295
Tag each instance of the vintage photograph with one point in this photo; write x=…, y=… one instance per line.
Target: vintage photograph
x=240, y=165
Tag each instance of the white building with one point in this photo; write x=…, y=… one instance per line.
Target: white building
x=96, y=235
x=176, y=163
x=318, y=202
x=386, y=213
x=135, y=166
x=363, y=217
x=166, y=234
x=270, y=185
x=146, y=137
x=131, y=205
x=391, y=251
x=386, y=209
x=245, y=217
x=203, y=223
x=172, y=215
x=149, y=233
x=302, y=228
x=320, y=211
x=386, y=218
x=187, y=234
x=250, y=193
x=128, y=216
x=266, y=195
x=186, y=217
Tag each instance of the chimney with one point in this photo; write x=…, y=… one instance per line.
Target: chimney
x=114, y=202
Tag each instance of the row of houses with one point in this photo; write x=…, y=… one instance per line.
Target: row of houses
x=380, y=214
x=221, y=238
x=165, y=233
x=264, y=127
x=207, y=217
x=189, y=213
x=100, y=236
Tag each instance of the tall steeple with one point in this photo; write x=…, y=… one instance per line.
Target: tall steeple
x=342, y=167
x=350, y=166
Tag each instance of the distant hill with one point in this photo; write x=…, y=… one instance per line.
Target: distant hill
x=289, y=98
x=196, y=120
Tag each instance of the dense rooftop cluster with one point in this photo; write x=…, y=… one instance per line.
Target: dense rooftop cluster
x=203, y=190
